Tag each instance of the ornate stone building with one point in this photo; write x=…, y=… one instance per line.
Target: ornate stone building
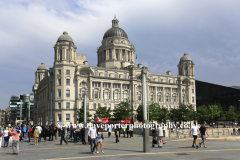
x=59, y=91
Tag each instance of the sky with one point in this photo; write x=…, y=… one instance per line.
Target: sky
x=161, y=31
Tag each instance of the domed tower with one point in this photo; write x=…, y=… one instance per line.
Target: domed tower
x=115, y=51
x=65, y=50
x=40, y=73
x=186, y=66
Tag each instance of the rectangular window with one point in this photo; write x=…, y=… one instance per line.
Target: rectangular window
x=59, y=105
x=94, y=106
x=83, y=84
x=115, y=95
x=59, y=117
x=105, y=105
x=151, y=97
x=68, y=72
x=59, y=71
x=192, y=90
x=67, y=93
x=166, y=98
x=139, y=88
x=192, y=99
x=59, y=82
x=174, y=98
x=115, y=106
x=109, y=106
x=167, y=89
x=67, y=81
x=125, y=96
x=183, y=99
x=67, y=54
x=67, y=105
x=96, y=94
x=151, y=88
x=105, y=95
x=59, y=93
x=83, y=73
x=174, y=90
x=159, y=98
x=159, y=88
x=67, y=117
x=99, y=105
x=139, y=97
x=83, y=94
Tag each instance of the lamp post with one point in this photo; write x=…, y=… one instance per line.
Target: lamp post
x=85, y=115
x=144, y=105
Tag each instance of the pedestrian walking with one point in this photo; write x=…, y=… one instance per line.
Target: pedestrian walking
x=40, y=132
x=75, y=135
x=55, y=132
x=154, y=136
x=109, y=130
x=124, y=130
x=15, y=143
x=63, y=136
x=93, y=138
x=83, y=135
x=51, y=132
x=159, y=132
x=129, y=130
x=203, y=130
x=117, y=134
x=36, y=135
x=6, y=137
x=193, y=132
x=100, y=139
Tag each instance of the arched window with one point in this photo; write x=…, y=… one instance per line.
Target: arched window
x=115, y=75
x=95, y=73
x=125, y=76
x=159, y=80
x=106, y=74
x=186, y=71
x=166, y=80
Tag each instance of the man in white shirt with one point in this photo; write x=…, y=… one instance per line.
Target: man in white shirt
x=193, y=132
x=159, y=133
x=109, y=130
x=40, y=131
x=92, y=133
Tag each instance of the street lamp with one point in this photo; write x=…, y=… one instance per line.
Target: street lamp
x=144, y=105
x=85, y=114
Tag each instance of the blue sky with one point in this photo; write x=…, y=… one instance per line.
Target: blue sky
x=161, y=31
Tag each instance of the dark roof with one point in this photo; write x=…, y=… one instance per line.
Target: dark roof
x=115, y=31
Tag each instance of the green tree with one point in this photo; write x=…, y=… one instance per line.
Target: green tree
x=203, y=113
x=184, y=112
x=231, y=115
x=158, y=114
x=215, y=113
x=123, y=111
x=103, y=112
x=81, y=114
x=174, y=115
x=192, y=114
x=139, y=115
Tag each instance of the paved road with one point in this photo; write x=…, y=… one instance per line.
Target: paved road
x=128, y=148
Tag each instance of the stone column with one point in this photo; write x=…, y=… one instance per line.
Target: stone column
x=121, y=92
x=107, y=54
x=113, y=54
x=155, y=94
x=90, y=88
x=101, y=92
x=111, y=92
x=163, y=95
x=126, y=55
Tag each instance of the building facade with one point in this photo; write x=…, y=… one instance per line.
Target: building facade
x=21, y=109
x=59, y=91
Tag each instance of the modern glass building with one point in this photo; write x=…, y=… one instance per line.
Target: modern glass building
x=21, y=108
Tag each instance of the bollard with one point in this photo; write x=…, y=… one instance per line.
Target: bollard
x=218, y=132
x=223, y=132
x=228, y=132
x=212, y=131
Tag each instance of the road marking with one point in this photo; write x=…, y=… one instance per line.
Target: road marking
x=158, y=153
